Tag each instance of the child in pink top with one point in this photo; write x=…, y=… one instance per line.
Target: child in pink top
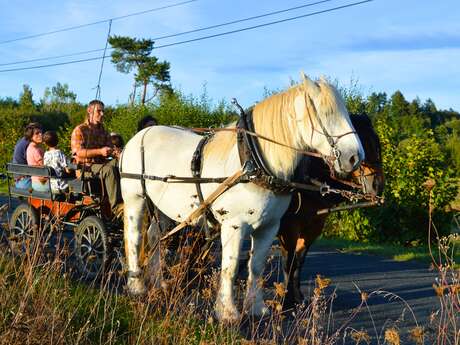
x=35, y=157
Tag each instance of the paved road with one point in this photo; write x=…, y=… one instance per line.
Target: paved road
x=405, y=288
x=411, y=282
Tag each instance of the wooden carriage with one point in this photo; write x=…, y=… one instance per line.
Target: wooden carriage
x=81, y=214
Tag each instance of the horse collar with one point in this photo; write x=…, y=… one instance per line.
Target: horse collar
x=252, y=159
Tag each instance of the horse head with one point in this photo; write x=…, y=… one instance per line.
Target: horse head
x=370, y=173
x=326, y=126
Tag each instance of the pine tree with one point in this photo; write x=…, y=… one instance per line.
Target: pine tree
x=135, y=54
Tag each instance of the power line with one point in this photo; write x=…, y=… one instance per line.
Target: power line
x=97, y=22
x=243, y=20
x=98, y=87
x=52, y=57
x=176, y=34
x=203, y=37
x=263, y=25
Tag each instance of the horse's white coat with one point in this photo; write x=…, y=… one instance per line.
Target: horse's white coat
x=242, y=210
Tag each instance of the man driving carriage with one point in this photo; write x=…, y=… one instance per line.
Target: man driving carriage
x=92, y=147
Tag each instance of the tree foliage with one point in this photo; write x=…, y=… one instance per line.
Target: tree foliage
x=419, y=142
x=135, y=54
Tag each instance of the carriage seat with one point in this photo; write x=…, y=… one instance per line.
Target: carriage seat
x=86, y=183
x=28, y=170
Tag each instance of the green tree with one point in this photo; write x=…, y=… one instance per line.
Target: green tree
x=26, y=102
x=376, y=103
x=135, y=54
x=60, y=93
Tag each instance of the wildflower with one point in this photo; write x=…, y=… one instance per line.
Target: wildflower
x=206, y=293
x=392, y=336
x=439, y=289
x=417, y=334
x=322, y=283
x=280, y=291
x=455, y=289
x=317, y=292
x=359, y=336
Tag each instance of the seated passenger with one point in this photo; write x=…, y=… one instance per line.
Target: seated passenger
x=117, y=143
x=91, y=146
x=55, y=159
x=35, y=158
x=20, y=156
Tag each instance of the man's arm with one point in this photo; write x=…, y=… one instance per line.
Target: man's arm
x=81, y=153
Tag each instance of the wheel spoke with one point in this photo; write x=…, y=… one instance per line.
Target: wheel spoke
x=92, y=246
x=100, y=252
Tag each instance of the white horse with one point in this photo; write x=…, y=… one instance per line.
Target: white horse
x=293, y=118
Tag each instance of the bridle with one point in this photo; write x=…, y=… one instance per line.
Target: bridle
x=331, y=139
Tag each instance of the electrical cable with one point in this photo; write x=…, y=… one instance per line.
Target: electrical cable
x=201, y=38
x=95, y=23
x=176, y=34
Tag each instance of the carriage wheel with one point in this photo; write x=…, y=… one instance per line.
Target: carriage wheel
x=23, y=226
x=91, y=247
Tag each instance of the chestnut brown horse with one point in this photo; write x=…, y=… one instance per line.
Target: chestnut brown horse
x=301, y=224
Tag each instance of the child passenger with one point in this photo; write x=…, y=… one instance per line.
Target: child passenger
x=117, y=143
x=55, y=159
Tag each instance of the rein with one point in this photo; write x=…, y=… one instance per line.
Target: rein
x=253, y=134
x=329, y=159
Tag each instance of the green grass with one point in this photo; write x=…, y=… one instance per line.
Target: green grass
x=394, y=252
x=3, y=187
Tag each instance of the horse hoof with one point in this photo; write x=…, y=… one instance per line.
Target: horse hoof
x=136, y=287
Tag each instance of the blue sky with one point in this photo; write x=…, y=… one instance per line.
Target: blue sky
x=385, y=45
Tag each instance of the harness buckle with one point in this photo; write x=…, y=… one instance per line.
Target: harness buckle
x=336, y=152
x=324, y=189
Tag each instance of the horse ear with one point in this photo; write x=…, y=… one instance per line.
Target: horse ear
x=310, y=86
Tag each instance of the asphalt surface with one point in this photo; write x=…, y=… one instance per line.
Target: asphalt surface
x=400, y=294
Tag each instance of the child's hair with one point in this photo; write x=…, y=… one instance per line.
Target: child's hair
x=117, y=140
x=50, y=138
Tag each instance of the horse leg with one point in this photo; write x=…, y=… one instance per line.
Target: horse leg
x=262, y=240
x=232, y=237
x=295, y=240
x=307, y=236
x=288, y=236
x=133, y=217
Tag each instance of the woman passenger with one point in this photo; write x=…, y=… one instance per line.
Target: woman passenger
x=35, y=157
x=20, y=154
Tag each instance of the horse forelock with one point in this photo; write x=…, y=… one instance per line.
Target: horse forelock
x=333, y=109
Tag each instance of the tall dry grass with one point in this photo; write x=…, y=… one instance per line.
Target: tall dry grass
x=44, y=301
